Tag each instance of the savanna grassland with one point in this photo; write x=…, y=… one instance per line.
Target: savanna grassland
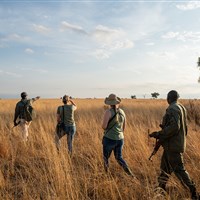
x=36, y=170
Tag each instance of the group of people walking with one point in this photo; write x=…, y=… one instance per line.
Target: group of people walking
x=172, y=137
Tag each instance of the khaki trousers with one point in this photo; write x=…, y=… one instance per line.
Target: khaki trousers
x=24, y=125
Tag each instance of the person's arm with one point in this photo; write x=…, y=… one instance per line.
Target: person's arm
x=58, y=118
x=58, y=115
x=72, y=102
x=107, y=116
x=35, y=99
x=124, y=124
x=16, y=115
x=173, y=127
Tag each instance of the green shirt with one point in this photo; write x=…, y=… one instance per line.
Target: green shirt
x=173, y=135
x=68, y=114
x=19, y=109
x=114, y=129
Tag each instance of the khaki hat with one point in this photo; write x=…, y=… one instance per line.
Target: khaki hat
x=65, y=98
x=112, y=99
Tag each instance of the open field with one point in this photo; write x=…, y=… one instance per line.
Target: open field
x=36, y=171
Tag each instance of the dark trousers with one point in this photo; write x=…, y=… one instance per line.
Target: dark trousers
x=116, y=146
x=173, y=162
x=66, y=130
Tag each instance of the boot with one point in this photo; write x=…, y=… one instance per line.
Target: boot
x=106, y=168
x=162, y=185
x=193, y=192
x=195, y=196
x=128, y=171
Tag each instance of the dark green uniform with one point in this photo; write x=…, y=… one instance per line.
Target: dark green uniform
x=173, y=139
x=19, y=109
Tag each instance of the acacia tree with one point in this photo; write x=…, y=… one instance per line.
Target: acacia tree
x=133, y=96
x=155, y=95
x=198, y=65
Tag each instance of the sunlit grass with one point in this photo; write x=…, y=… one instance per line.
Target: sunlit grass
x=36, y=171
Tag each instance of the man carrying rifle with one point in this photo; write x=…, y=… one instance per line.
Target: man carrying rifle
x=172, y=137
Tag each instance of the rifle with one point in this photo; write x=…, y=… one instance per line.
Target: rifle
x=165, y=122
x=156, y=147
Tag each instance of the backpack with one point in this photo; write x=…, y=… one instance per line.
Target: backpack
x=28, y=111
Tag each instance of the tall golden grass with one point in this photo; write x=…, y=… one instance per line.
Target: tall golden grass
x=36, y=170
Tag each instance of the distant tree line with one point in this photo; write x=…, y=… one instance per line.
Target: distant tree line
x=154, y=95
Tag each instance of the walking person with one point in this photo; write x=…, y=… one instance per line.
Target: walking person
x=65, y=117
x=114, y=121
x=173, y=140
x=24, y=111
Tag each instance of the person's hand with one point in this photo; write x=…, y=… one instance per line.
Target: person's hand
x=15, y=123
x=155, y=134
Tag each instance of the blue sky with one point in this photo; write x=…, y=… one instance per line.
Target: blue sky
x=94, y=48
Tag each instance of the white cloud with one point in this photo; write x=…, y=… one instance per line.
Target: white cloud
x=15, y=75
x=171, y=35
x=38, y=70
x=15, y=37
x=101, y=54
x=126, y=44
x=163, y=54
x=41, y=29
x=107, y=35
x=107, y=40
x=189, y=5
x=150, y=44
x=76, y=28
x=110, y=40
x=29, y=51
x=184, y=36
x=107, y=49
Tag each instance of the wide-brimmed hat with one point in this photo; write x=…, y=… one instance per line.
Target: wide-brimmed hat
x=112, y=99
x=65, y=98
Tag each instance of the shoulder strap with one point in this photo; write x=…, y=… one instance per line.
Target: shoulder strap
x=63, y=113
x=112, y=118
x=118, y=112
x=183, y=111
